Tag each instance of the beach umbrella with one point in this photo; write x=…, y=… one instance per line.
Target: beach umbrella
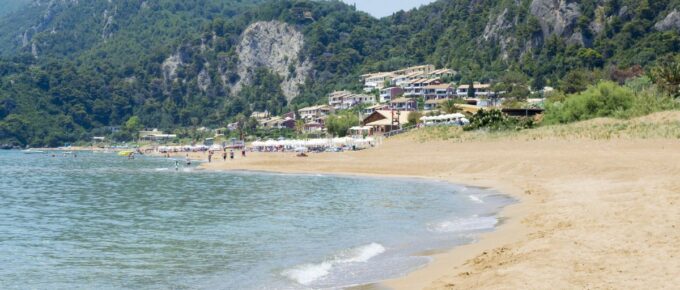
x=301, y=149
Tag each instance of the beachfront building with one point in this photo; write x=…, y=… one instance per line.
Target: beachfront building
x=404, y=104
x=403, y=80
x=376, y=81
x=342, y=100
x=337, y=98
x=371, y=109
x=419, y=69
x=433, y=104
x=315, y=112
x=383, y=121
x=416, y=88
x=260, y=115
x=155, y=135
x=441, y=73
x=277, y=123
x=481, y=90
x=439, y=92
x=388, y=94
x=313, y=127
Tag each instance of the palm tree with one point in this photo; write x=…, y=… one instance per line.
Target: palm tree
x=299, y=126
x=449, y=106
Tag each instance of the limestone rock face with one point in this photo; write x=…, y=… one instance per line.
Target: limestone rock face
x=495, y=31
x=170, y=66
x=276, y=46
x=671, y=22
x=557, y=17
x=203, y=80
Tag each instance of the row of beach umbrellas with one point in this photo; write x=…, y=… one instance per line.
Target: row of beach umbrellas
x=345, y=141
x=443, y=117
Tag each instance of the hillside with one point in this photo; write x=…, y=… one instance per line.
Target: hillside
x=71, y=69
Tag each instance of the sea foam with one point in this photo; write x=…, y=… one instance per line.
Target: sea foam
x=308, y=273
x=475, y=198
x=473, y=223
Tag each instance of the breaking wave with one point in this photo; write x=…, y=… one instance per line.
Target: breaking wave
x=308, y=273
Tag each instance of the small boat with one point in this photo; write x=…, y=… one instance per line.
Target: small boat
x=125, y=153
x=33, y=151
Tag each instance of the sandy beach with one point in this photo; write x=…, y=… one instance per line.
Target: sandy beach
x=596, y=213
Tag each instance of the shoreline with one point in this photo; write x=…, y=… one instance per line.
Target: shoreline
x=507, y=230
x=571, y=197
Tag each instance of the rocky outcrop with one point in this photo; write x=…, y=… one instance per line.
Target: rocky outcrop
x=203, y=78
x=107, y=30
x=496, y=29
x=558, y=17
x=670, y=22
x=276, y=46
x=169, y=67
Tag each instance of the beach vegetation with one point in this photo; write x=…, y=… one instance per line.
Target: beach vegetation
x=449, y=106
x=666, y=75
x=608, y=99
x=339, y=124
x=414, y=118
x=495, y=120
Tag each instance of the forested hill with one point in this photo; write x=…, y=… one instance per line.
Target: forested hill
x=71, y=69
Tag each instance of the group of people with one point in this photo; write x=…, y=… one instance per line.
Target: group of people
x=224, y=154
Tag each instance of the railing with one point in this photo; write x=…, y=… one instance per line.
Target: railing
x=397, y=132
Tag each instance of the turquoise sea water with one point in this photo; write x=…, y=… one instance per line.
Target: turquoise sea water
x=100, y=221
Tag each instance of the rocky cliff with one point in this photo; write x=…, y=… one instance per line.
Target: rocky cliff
x=276, y=46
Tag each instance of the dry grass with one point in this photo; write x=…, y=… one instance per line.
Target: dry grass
x=661, y=125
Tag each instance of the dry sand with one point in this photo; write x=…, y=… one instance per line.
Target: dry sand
x=595, y=214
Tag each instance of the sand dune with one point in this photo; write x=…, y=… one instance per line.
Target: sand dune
x=594, y=213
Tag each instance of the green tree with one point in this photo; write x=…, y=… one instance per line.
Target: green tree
x=471, y=90
x=414, y=118
x=514, y=86
x=132, y=126
x=449, y=106
x=666, y=75
x=339, y=124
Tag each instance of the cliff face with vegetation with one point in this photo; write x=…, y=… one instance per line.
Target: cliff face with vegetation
x=71, y=69
x=276, y=46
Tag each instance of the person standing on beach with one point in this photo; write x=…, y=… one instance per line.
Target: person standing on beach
x=210, y=157
x=243, y=152
x=224, y=155
x=231, y=154
x=188, y=160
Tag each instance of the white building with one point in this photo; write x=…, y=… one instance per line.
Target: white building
x=342, y=100
x=315, y=112
x=376, y=81
x=416, y=88
x=481, y=90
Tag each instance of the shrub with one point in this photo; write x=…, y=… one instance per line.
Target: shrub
x=495, y=120
x=601, y=100
x=339, y=125
x=607, y=99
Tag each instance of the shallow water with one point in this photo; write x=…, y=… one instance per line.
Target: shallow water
x=100, y=221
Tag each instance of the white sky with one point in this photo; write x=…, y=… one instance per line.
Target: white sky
x=381, y=8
